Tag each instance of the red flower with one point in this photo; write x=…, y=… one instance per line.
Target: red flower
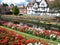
x=4, y=42
x=13, y=43
x=22, y=44
x=14, y=25
x=18, y=36
x=27, y=41
x=19, y=43
x=58, y=34
x=0, y=41
x=12, y=33
x=23, y=40
x=38, y=40
x=21, y=28
x=32, y=40
x=4, y=29
x=5, y=23
x=45, y=43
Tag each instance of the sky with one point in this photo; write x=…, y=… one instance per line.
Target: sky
x=15, y=2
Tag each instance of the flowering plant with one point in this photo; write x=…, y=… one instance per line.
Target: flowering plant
x=11, y=38
x=50, y=34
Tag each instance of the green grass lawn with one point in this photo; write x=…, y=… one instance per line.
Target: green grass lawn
x=29, y=36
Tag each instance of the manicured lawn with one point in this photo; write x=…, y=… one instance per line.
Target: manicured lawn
x=29, y=36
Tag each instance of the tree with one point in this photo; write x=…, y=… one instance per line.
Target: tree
x=55, y=5
x=4, y=4
x=12, y=5
x=15, y=10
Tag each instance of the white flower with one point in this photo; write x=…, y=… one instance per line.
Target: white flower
x=41, y=44
x=29, y=44
x=58, y=43
x=52, y=35
x=37, y=43
x=52, y=44
x=58, y=37
x=12, y=27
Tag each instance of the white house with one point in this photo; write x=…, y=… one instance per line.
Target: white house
x=38, y=7
x=41, y=7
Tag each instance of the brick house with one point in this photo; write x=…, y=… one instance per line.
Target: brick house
x=22, y=10
x=4, y=9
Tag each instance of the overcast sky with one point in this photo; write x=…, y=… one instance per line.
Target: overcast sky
x=16, y=2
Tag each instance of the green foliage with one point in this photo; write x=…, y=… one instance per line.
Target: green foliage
x=55, y=5
x=12, y=5
x=58, y=39
x=5, y=4
x=15, y=10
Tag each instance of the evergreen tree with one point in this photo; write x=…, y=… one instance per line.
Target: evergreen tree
x=15, y=10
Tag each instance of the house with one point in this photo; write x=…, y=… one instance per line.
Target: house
x=38, y=7
x=22, y=10
x=42, y=7
x=4, y=9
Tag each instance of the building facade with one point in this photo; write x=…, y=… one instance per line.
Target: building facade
x=38, y=7
x=22, y=10
x=41, y=7
x=4, y=9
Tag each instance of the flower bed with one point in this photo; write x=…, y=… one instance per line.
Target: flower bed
x=9, y=37
x=54, y=35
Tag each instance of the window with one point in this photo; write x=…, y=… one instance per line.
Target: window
x=43, y=8
x=42, y=4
